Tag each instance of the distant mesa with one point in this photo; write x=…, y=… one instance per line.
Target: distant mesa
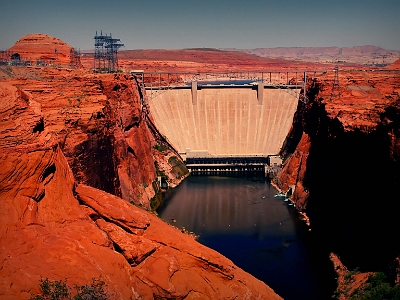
x=367, y=54
x=395, y=65
x=42, y=47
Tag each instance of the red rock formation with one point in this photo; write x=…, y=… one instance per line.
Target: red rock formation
x=394, y=66
x=38, y=46
x=100, y=125
x=52, y=227
x=343, y=154
x=347, y=283
x=293, y=173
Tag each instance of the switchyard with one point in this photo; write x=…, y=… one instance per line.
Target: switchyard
x=106, y=53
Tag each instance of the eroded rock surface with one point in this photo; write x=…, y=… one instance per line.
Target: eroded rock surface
x=42, y=47
x=100, y=126
x=52, y=227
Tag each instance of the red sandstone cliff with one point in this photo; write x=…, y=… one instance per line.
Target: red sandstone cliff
x=64, y=135
x=52, y=227
x=38, y=46
x=343, y=155
x=101, y=127
x=368, y=104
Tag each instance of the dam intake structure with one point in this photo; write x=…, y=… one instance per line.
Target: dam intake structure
x=228, y=122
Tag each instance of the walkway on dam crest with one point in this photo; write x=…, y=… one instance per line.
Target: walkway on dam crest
x=216, y=120
x=157, y=82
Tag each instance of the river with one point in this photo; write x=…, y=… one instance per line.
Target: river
x=240, y=218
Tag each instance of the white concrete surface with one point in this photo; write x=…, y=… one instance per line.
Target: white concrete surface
x=226, y=121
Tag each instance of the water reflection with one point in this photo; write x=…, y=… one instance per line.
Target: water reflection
x=242, y=219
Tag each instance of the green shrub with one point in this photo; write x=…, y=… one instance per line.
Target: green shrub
x=155, y=202
x=52, y=290
x=58, y=290
x=93, y=291
x=377, y=288
x=160, y=148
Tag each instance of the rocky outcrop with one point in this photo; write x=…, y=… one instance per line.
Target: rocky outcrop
x=114, y=153
x=101, y=128
x=394, y=66
x=293, y=174
x=52, y=227
x=346, y=166
x=45, y=48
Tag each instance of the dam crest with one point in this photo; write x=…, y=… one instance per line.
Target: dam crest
x=224, y=117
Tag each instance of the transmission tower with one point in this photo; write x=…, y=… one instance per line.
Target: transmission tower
x=303, y=98
x=74, y=55
x=55, y=56
x=3, y=57
x=336, y=85
x=106, y=52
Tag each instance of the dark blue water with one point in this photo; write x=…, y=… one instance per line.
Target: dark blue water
x=241, y=219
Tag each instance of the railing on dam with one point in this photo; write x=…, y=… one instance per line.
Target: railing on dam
x=156, y=82
x=228, y=164
x=230, y=160
x=199, y=169
x=204, y=111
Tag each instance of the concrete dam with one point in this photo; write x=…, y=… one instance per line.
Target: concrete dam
x=225, y=121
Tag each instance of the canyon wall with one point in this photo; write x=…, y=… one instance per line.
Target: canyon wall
x=342, y=154
x=58, y=227
x=111, y=150
x=101, y=128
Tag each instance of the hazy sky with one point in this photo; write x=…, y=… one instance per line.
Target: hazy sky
x=152, y=24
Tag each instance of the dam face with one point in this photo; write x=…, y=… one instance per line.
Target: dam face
x=225, y=121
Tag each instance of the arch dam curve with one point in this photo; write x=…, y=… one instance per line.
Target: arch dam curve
x=219, y=119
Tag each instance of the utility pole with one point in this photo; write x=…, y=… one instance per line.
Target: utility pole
x=303, y=98
x=336, y=86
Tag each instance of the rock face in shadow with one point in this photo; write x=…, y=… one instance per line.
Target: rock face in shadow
x=100, y=126
x=52, y=227
x=344, y=158
x=110, y=148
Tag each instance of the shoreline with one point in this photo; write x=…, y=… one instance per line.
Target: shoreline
x=304, y=216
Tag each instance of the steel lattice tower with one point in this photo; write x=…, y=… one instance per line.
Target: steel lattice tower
x=106, y=53
x=336, y=85
x=75, y=60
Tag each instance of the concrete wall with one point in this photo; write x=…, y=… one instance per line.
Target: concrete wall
x=225, y=121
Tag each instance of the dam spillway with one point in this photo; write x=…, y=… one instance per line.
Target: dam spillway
x=228, y=121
